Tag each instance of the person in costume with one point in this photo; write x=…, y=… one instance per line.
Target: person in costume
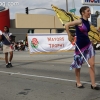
x=7, y=46
x=82, y=27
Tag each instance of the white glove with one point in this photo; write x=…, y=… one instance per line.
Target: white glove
x=10, y=34
x=0, y=32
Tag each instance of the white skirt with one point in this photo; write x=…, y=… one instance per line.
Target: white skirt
x=7, y=48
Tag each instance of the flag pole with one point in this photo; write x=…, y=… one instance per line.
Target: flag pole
x=82, y=55
x=74, y=43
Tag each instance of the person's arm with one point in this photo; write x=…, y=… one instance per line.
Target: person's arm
x=0, y=35
x=73, y=23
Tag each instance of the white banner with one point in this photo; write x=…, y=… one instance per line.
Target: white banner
x=39, y=43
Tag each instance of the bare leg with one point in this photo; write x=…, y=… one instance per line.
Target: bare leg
x=77, y=72
x=6, y=58
x=11, y=56
x=92, y=70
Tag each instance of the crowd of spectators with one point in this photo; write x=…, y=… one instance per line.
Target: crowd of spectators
x=20, y=46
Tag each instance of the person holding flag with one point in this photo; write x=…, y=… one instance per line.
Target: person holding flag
x=84, y=51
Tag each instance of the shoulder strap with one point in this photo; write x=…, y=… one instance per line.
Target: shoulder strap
x=6, y=36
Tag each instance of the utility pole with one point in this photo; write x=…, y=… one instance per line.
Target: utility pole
x=73, y=5
x=67, y=5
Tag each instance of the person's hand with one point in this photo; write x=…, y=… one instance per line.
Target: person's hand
x=0, y=32
x=70, y=38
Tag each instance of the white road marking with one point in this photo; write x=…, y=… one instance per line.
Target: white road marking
x=45, y=77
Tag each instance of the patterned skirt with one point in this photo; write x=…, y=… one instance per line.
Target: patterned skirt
x=7, y=48
x=88, y=52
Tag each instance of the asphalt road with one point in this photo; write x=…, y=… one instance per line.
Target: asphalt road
x=45, y=77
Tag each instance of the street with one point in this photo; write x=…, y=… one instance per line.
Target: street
x=45, y=77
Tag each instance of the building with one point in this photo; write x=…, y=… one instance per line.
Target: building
x=39, y=23
x=4, y=17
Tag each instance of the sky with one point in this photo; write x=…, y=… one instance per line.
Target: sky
x=18, y=6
